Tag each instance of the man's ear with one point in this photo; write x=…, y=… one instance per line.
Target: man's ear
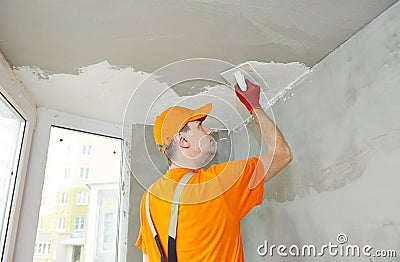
x=181, y=140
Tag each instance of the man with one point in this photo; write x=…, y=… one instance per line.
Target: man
x=213, y=201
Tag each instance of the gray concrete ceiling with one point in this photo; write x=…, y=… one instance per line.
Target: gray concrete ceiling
x=62, y=36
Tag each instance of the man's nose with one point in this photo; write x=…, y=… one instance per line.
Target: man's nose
x=209, y=131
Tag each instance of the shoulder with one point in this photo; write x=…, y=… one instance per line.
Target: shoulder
x=233, y=165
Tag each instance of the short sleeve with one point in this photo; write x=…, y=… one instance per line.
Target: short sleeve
x=243, y=184
x=140, y=243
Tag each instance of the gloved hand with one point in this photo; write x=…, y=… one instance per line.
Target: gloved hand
x=251, y=97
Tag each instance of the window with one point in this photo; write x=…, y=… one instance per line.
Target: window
x=61, y=224
x=104, y=217
x=108, y=233
x=64, y=198
x=67, y=173
x=77, y=253
x=68, y=150
x=79, y=224
x=42, y=249
x=12, y=127
x=70, y=222
x=82, y=198
x=86, y=150
x=84, y=173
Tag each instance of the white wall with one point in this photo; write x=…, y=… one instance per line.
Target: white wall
x=343, y=127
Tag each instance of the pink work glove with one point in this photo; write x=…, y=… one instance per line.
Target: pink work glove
x=250, y=98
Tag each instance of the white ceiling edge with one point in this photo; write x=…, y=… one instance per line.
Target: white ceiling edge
x=103, y=91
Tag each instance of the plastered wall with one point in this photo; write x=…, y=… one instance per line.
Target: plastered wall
x=343, y=126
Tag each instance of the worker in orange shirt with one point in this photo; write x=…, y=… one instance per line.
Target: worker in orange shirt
x=192, y=213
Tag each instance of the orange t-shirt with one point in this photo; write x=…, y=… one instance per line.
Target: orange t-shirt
x=211, y=207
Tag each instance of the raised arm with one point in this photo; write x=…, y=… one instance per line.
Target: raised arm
x=278, y=154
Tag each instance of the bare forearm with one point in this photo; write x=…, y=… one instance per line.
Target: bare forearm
x=267, y=127
x=279, y=154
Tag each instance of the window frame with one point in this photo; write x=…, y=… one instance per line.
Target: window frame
x=14, y=93
x=86, y=150
x=79, y=197
x=67, y=173
x=80, y=225
x=63, y=200
x=63, y=223
x=42, y=246
x=84, y=173
x=46, y=118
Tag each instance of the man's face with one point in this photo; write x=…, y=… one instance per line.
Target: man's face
x=201, y=142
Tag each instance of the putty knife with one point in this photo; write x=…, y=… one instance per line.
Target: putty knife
x=239, y=73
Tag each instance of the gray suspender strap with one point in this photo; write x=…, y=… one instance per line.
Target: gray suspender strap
x=175, y=204
x=172, y=257
x=152, y=228
x=173, y=220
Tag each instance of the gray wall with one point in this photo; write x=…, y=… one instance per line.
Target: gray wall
x=343, y=125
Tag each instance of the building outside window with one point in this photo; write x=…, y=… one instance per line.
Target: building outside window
x=42, y=249
x=67, y=173
x=66, y=215
x=102, y=217
x=61, y=224
x=108, y=234
x=64, y=198
x=84, y=174
x=79, y=224
x=86, y=150
x=68, y=150
x=82, y=198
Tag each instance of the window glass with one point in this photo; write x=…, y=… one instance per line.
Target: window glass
x=72, y=184
x=12, y=127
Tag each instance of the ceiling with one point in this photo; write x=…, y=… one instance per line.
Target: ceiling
x=62, y=36
x=88, y=57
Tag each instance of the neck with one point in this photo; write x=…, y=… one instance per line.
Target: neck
x=173, y=165
x=189, y=163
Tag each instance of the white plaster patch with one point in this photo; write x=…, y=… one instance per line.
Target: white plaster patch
x=102, y=91
x=99, y=91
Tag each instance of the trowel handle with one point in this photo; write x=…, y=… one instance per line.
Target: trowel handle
x=251, y=97
x=240, y=80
